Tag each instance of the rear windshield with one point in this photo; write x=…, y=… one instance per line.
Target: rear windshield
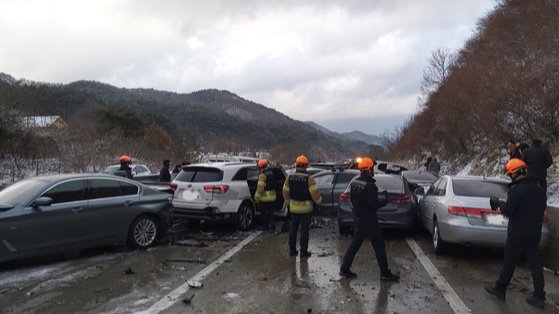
x=392, y=184
x=420, y=176
x=480, y=188
x=200, y=174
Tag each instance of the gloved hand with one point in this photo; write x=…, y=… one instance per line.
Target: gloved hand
x=495, y=203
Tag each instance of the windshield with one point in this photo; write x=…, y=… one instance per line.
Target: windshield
x=20, y=191
x=200, y=174
x=480, y=188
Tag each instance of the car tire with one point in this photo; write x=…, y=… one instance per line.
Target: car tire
x=245, y=216
x=438, y=243
x=344, y=230
x=143, y=232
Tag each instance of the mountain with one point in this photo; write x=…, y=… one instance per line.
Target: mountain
x=207, y=120
x=357, y=136
x=6, y=78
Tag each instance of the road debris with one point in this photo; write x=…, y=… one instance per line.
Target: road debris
x=129, y=271
x=194, y=284
x=231, y=295
x=188, y=300
x=191, y=242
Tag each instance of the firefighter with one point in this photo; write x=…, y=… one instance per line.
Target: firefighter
x=265, y=196
x=301, y=193
x=525, y=208
x=125, y=170
x=365, y=201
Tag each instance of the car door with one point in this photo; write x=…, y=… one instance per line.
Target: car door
x=439, y=200
x=325, y=182
x=111, y=209
x=426, y=205
x=55, y=226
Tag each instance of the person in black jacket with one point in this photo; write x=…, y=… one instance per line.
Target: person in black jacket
x=525, y=207
x=538, y=159
x=125, y=170
x=164, y=173
x=364, y=198
x=514, y=151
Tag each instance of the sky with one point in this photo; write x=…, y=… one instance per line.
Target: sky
x=347, y=65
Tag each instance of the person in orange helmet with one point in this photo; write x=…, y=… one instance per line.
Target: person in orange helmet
x=525, y=208
x=125, y=170
x=301, y=193
x=265, y=196
x=365, y=201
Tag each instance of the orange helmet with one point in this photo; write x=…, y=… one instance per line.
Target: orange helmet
x=515, y=165
x=125, y=158
x=301, y=160
x=262, y=163
x=365, y=163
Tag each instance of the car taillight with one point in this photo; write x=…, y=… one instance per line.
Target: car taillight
x=220, y=189
x=345, y=197
x=471, y=212
x=400, y=199
x=173, y=186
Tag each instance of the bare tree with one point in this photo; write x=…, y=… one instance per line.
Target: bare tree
x=437, y=71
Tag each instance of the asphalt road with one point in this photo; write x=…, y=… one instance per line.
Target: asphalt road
x=251, y=272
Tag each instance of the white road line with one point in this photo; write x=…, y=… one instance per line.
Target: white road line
x=176, y=294
x=449, y=294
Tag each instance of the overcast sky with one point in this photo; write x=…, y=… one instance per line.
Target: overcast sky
x=348, y=65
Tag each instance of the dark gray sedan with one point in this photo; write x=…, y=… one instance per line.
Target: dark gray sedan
x=56, y=213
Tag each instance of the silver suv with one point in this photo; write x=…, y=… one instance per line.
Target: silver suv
x=223, y=190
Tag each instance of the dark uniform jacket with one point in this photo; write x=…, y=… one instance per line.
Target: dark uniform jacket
x=164, y=174
x=538, y=159
x=364, y=198
x=525, y=206
x=124, y=171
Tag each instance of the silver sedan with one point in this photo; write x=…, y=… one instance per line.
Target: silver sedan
x=455, y=209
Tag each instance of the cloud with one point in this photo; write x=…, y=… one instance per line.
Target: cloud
x=320, y=59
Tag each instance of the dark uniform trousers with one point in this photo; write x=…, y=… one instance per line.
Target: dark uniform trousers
x=267, y=211
x=304, y=221
x=516, y=247
x=371, y=230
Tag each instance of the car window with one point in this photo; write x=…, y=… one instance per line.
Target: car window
x=433, y=187
x=252, y=174
x=324, y=179
x=391, y=184
x=344, y=178
x=200, y=174
x=103, y=188
x=480, y=188
x=441, y=188
x=140, y=169
x=70, y=191
x=241, y=175
x=128, y=188
x=18, y=192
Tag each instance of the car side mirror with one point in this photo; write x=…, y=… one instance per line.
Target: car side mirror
x=42, y=201
x=419, y=191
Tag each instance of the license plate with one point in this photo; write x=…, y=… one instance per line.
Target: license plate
x=495, y=220
x=190, y=195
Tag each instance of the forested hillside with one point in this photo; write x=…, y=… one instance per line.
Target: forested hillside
x=105, y=121
x=504, y=84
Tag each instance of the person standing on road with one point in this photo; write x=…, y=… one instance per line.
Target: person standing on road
x=434, y=167
x=525, y=207
x=164, y=173
x=514, y=151
x=365, y=201
x=426, y=164
x=176, y=171
x=538, y=159
x=301, y=193
x=265, y=196
x=125, y=170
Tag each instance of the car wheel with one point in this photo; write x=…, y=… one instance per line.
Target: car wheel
x=438, y=244
x=144, y=230
x=245, y=216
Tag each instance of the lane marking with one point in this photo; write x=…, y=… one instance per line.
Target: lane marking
x=444, y=287
x=176, y=294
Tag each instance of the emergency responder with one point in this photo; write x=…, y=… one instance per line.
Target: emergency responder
x=525, y=207
x=365, y=201
x=265, y=196
x=301, y=193
x=164, y=172
x=538, y=159
x=125, y=170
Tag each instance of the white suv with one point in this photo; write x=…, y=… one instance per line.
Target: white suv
x=223, y=190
